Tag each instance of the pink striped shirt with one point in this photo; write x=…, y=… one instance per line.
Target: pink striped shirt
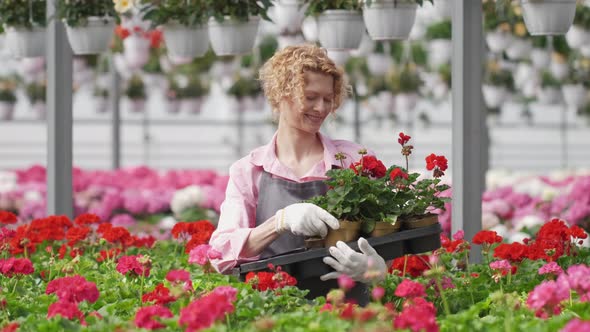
x=238, y=211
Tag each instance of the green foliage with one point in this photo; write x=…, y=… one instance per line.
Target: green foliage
x=100, y=92
x=190, y=13
x=36, y=92
x=549, y=81
x=239, y=10
x=497, y=76
x=23, y=13
x=317, y=7
x=441, y=30
x=76, y=13
x=153, y=65
x=135, y=88
x=368, y=3
x=404, y=80
x=245, y=87
x=7, y=87
x=582, y=18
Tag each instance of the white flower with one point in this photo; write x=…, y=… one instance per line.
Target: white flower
x=7, y=181
x=167, y=222
x=489, y=220
x=185, y=198
x=549, y=193
x=501, y=230
x=518, y=237
x=530, y=222
x=123, y=6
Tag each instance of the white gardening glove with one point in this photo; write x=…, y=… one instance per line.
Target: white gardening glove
x=355, y=264
x=305, y=219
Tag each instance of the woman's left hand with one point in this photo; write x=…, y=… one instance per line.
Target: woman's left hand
x=364, y=266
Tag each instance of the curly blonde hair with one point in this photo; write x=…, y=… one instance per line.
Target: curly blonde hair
x=282, y=75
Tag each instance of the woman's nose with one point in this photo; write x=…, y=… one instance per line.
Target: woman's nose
x=321, y=106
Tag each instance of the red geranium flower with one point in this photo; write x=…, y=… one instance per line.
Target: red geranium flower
x=437, y=163
x=414, y=265
x=87, y=219
x=486, y=237
x=146, y=317
x=398, y=173
x=403, y=139
x=7, y=217
x=160, y=295
x=369, y=166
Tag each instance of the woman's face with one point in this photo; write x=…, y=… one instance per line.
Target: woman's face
x=318, y=96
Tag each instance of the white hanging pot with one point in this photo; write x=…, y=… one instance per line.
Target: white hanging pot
x=289, y=40
x=136, y=51
x=540, y=58
x=439, y=52
x=6, y=111
x=191, y=105
x=135, y=105
x=186, y=42
x=577, y=37
x=341, y=29
x=494, y=95
x=172, y=106
x=101, y=105
x=444, y=8
x=498, y=41
x=574, y=95
x=559, y=70
x=389, y=19
x=94, y=38
x=232, y=37
x=309, y=28
x=289, y=15
x=339, y=56
x=585, y=51
x=548, y=17
x=523, y=73
x=529, y=88
x=519, y=49
x=440, y=91
x=548, y=96
x=378, y=64
x=25, y=43
x=406, y=102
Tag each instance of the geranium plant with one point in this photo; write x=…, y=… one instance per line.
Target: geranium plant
x=186, y=12
x=316, y=7
x=7, y=94
x=76, y=13
x=135, y=89
x=245, y=87
x=239, y=10
x=23, y=13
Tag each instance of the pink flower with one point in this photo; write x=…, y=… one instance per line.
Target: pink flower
x=12, y=266
x=146, y=317
x=501, y=265
x=550, y=268
x=132, y=263
x=65, y=309
x=578, y=279
x=417, y=316
x=345, y=282
x=378, y=293
x=73, y=289
x=203, y=312
x=178, y=276
x=459, y=235
x=576, y=325
x=409, y=289
x=546, y=298
x=202, y=253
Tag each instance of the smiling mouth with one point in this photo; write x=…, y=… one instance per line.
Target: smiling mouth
x=314, y=118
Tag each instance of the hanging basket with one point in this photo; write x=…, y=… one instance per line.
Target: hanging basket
x=101, y=105
x=440, y=52
x=172, y=106
x=444, y=8
x=94, y=38
x=574, y=95
x=494, y=95
x=136, y=51
x=26, y=43
x=498, y=41
x=540, y=58
x=548, y=17
x=191, y=105
x=341, y=30
x=289, y=15
x=186, y=42
x=232, y=37
x=6, y=111
x=389, y=20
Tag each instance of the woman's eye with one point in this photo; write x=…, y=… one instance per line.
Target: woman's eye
x=310, y=98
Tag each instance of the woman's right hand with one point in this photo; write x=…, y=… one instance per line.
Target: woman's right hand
x=305, y=219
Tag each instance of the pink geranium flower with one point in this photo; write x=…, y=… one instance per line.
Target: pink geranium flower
x=345, y=282
x=65, y=309
x=202, y=253
x=12, y=266
x=410, y=289
x=73, y=289
x=203, y=312
x=146, y=317
x=550, y=268
x=138, y=265
x=546, y=298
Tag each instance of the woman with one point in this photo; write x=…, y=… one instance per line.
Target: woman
x=261, y=216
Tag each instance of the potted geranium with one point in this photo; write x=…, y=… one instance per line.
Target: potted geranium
x=247, y=91
x=405, y=83
x=549, y=91
x=390, y=19
x=135, y=93
x=35, y=91
x=289, y=15
x=497, y=83
x=192, y=94
x=578, y=36
x=7, y=99
x=440, y=48
x=233, y=24
x=183, y=23
x=340, y=23
x=24, y=22
x=89, y=24
x=575, y=85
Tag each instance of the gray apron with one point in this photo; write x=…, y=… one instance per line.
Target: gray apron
x=275, y=194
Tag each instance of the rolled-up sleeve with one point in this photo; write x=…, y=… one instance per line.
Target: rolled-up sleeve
x=236, y=220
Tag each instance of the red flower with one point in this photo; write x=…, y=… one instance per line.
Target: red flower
x=122, y=32
x=160, y=295
x=73, y=289
x=398, y=173
x=116, y=235
x=514, y=252
x=76, y=234
x=577, y=232
x=371, y=166
x=7, y=217
x=452, y=246
x=403, y=139
x=270, y=280
x=87, y=219
x=67, y=310
x=202, y=313
x=10, y=267
x=145, y=317
x=155, y=37
x=437, y=163
x=108, y=254
x=146, y=242
x=414, y=265
x=410, y=289
x=11, y=327
x=178, y=276
x=486, y=237
x=134, y=264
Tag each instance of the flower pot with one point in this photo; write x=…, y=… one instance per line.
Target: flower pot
x=494, y=95
x=309, y=28
x=548, y=17
x=574, y=95
x=340, y=30
x=314, y=242
x=559, y=70
x=250, y=103
x=389, y=20
x=172, y=106
x=348, y=231
x=94, y=38
x=289, y=15
x=439, y=52
x=136, y=51
x=135, y=105
x=383, y=228
x=519, y=49
x=540, y=58
x=339, y=56
x=40, y=109
x=498, y=41
x=548, y=95
x=232, y=37
x=191, y=105
x=420, y=221
x=444, y=8
x=289, y=40
x=6, y=111
x=25, y=43
x=186, y=42
x=101, y=104
x=577, y=37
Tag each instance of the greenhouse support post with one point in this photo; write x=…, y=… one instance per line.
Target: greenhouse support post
x=115, y=97
x=468, y=144
x=59, y=117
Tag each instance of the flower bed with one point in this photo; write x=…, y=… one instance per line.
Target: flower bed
x=89, y=275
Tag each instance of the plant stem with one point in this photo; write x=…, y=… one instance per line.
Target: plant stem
x=141, y=288
x=405, y=263
x=442, y=296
